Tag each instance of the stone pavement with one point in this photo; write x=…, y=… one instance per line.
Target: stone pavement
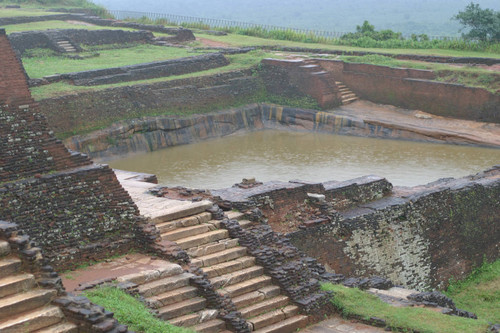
x=340, y=325
x=152, y=206
x=449, y=129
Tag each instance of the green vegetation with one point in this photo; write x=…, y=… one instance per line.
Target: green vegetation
x=130, y=311
x=359, y=304
x=243, y=41
x=45, y=25
x=479, y=292
x=45, y=63
x=6, y=12
x=381, y=60
x=237, y=62
x=81, y=4
x=365, y=37
x=483, y=24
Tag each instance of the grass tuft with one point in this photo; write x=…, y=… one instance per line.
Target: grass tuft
x=130, y=311
x=359, y=304
x=479, y=292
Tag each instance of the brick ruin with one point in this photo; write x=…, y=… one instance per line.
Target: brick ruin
x=75, y=208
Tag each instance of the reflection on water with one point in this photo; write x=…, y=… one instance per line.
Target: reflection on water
x=277, y=155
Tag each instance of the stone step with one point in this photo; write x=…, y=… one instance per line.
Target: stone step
x=245, y=223
x=186, y=232
x=9, y=266
x=16, y=304
x=273, y=317
x=17, y=283
x=60, y=328
x=213, y=247
x=196, y=318
x=166, y=270
x=229, y=266
x=233, y=215
x=211, y=236
x=256, y=296
x=32, y=321
x=184, y=222
x=163, y=285
x=173, y=296
x=181, y=212
x=220, y=257
x=4, y=248
x=246, y=286
x=286, y=326
x=212, y=326
x=350, y=100
x=345, y=96
x=237, y=276
x=181, y=308
x=265, y=306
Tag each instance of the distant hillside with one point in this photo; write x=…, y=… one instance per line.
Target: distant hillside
x=408, y=16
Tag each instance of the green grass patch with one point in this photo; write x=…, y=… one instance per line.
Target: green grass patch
x=16, y=12
x=360, y=304
x=47, y=64
x=130, y=311
x=467, y=75
x=45, y=25
x=242, y=41
x=237, y=62
x=68, y=4
x=479, y=292
x=377, y=59
x=472, y=77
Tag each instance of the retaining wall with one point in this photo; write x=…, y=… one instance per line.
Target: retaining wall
x=152, y=133
x=421, y=240
x=417, y=237
x=95, y=109
x=143, y=71
x=22, y=41
x=414, y=89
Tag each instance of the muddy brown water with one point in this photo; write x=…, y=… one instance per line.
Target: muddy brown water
x=280, y=155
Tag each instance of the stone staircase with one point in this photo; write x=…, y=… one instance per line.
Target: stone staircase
x=232, y=271
x=346, y=94
x=331, y=91
x=23, y=306
x=167, y=291
x=64, y=45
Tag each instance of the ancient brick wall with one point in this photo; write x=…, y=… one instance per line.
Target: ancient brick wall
x=75, y=216
x=88, y=110
x=72, y=209
x=419, y=240
x=414, y=89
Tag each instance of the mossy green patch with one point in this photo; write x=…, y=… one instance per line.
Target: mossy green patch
x=356, y=303
x=130, y=311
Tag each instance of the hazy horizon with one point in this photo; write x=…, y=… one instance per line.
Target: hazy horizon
x=407, y=16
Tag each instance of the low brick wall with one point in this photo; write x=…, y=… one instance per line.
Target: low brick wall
x=414, y=89
x=143, y=71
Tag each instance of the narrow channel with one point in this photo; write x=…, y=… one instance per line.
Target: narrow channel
x=281, y=155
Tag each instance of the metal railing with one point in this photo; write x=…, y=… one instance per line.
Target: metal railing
x=227, y=24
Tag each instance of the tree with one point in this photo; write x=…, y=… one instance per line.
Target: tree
x=483, y=24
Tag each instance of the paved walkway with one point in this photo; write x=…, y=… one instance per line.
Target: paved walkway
x=152, y=206
x=340, y=325
x=449, y=129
